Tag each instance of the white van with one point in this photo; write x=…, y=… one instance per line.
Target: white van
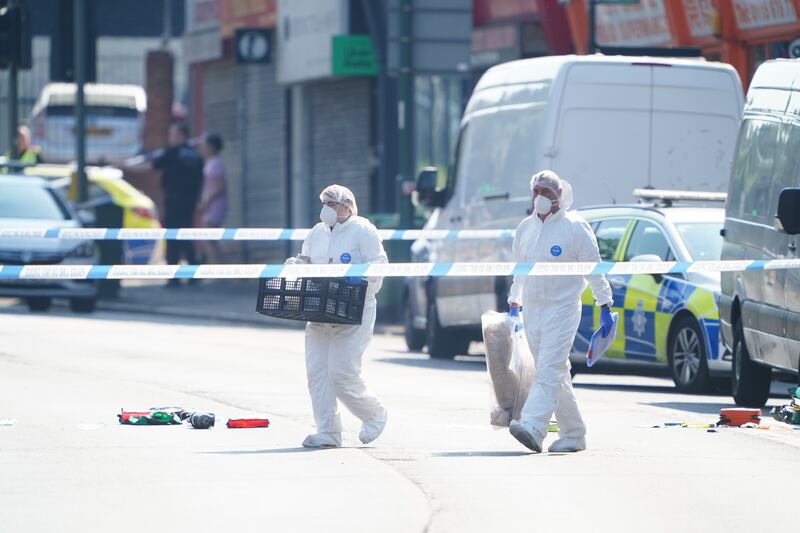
x=114, y=122
x=608, y=125
x=759, y=311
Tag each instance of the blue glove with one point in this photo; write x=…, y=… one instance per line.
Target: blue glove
x=353, y=280
x=606, y=322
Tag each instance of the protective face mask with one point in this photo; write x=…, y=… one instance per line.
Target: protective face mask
x=542, y=205
x=328, y=215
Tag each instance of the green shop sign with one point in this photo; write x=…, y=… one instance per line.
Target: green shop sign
x=353, y=55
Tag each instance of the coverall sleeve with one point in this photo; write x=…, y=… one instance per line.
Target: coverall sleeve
x=372, y=250
x=586, y=245
x=515, y=294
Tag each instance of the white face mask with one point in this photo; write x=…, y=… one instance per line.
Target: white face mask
x=543, y=205
x=328, y=215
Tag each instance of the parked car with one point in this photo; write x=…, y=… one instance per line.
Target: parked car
x=667, y=320
x=114, y=122
x=30, y=202
x=606, y=124
x=760, y=310
x=126, y=206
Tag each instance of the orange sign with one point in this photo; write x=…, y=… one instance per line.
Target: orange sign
x=235, y=14
x=760, y=13
x=698, y=15
x=643, y=24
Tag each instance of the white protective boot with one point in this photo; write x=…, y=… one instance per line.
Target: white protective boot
x=372, y=429
x=323, y=440
x=568, y=444
x=524, y=433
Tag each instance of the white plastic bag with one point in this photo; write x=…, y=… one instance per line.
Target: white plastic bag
x=509, y=361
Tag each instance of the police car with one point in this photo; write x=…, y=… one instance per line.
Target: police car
x=669, y=319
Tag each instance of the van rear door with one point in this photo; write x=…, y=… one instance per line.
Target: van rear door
x=696, y=116
x=601, y=142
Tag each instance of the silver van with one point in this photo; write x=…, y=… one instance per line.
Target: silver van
x=759, y=310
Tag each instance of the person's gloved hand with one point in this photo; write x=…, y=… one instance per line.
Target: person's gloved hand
x=353, y=280
x=606, y=322
x=291, y=261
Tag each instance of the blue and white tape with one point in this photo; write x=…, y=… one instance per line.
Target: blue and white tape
x=252, y=271
x=231, y=234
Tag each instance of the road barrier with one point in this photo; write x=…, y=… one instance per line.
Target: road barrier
x=253, y=271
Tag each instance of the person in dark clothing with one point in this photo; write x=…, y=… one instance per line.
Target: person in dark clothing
x=181, y=169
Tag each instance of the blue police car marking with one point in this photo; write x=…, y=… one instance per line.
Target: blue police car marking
x=555, y=251
x=345, y=258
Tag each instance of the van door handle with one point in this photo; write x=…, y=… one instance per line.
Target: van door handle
x=616, y=282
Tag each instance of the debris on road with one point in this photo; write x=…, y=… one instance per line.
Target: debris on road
x=200, y=420
x=739, y=417
x=153, y=417
x=790, y=413
x=248, y=423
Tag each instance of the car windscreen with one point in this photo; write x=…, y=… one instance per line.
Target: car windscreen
x=105, y=111
x=702, y=239
x=497, y=153
x=18, y=200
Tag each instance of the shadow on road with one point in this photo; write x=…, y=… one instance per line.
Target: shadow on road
x=264, y=452
x=467, y=363
x=481, y=454
x=655, y=389
x=700, y=408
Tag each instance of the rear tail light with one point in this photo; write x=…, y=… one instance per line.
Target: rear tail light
x=144, y=212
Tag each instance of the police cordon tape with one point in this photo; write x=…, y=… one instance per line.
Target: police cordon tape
x=252, y=271
x=231, y=234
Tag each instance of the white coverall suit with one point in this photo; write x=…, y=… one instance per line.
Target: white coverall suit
x=552, y=313
x=333, y=352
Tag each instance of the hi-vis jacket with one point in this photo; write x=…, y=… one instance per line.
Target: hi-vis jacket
x=562, y=237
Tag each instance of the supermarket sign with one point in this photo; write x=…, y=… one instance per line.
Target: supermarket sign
x=641, y=24
x=751, y=14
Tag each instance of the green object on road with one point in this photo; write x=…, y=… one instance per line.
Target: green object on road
x=552, y=427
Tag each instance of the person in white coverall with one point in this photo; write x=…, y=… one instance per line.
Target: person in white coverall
x=552, y=311
x=333, y=352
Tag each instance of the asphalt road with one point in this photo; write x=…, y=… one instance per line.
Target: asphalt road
x=67, y=466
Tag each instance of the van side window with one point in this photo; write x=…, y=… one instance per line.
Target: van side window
x=752, y=178
x=785, y=173
x=648, y=239
x=609, y=233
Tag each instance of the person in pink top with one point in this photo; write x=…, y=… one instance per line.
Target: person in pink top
x=213, y=204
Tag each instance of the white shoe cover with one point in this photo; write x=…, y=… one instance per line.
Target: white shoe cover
x=524, y=433
x=568, y=444
x=323, y=440
x=372, y=429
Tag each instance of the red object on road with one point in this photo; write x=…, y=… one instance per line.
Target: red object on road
x=248, y=423
x=739, y=416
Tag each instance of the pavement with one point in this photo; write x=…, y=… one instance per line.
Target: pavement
x=223, y=300
x=68, y=466
x=217, y=300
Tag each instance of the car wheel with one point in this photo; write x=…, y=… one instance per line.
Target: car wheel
x=415, y=338
x=750, y=382
x=39, y=303
x=82, y=305
x=443, y=343
x=687, y=357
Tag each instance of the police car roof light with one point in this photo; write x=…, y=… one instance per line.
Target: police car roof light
x=668, y=196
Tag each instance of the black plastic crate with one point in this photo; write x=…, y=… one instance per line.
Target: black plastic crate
x=327, y=300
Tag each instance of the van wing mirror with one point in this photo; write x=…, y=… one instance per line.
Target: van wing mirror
x=789, y=210
x=427, y=193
